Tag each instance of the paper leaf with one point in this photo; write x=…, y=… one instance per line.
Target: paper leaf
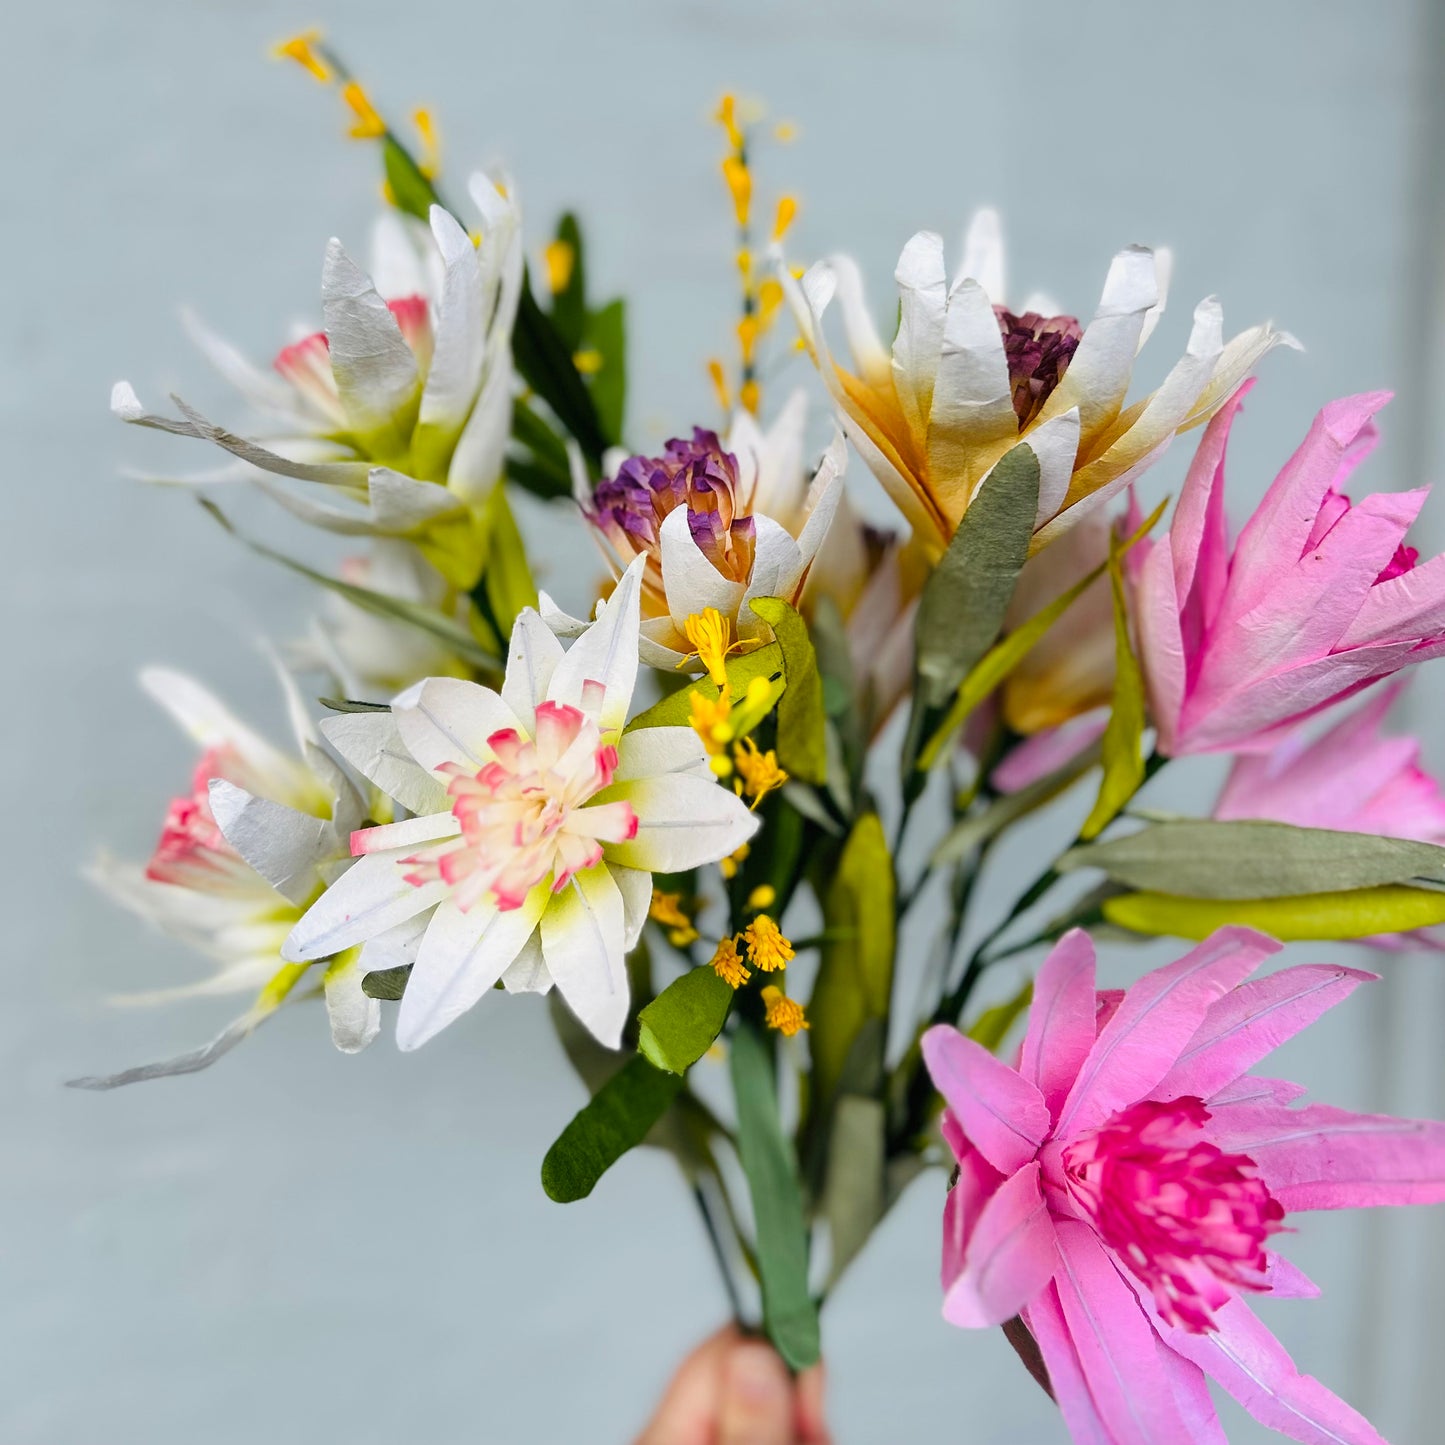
x=790, y=1316
x=386, y=983
x=545, y=363
x=410, y=191
x=1208, y=858
x=676, y=711
x=1352, y=913
x=1123, y=750
x=569, y=305
x=506, y=577
x=616, y=1119
x=678, y=1027
x=802, y=747
x=854, y=1193
x=991, y=1027
x=607, y=335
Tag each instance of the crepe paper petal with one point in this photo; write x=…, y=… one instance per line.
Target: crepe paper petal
x=604, y=658
x=448, y=720
x=1061, y=1027
x=369, y=898
x=355, y=1018
x=371, y=742
x=281, y=844
x=583, y=941
x=683, y=821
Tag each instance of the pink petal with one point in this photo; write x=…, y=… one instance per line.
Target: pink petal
x=1061, y=1028
x=1115, y=1344
x=1161, y=644
x=1288, y=1281
x=1320, y=1157
x=1191, y=1394
x=1002, y=1114
x=975, y=1186
x=1247, y=1360
x=1045, y=1320
x=1047, y=752
x=1252, y=1020
x=1251, y=1090
x=1157, y=1018
x=1410, y=605
x=1010, y=1256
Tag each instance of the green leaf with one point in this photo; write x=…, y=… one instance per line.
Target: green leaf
x=1124, y=736
x=1351, y=913
x=411, y=191
x=607, y=335
x=617, y=1119
x=790, y=1315
x=569, y=305
x=678, y=1027
x=1001, y=660
x=991, y=1027
x=545, y=470
x=506, y=577
x=347, y=704
x=855, y=975
x=676, y=711
x=854, y=1192
x=545, y=362
x=802, y=748
x=1208, y=858
x=386, y=983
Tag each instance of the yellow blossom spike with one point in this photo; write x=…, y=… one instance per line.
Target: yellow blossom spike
x=740, y=184
x=302, y=49
x=711, y=636
x=666, y=910
x=721, y=765
x=748, y=337
x=720, y=384
x=734, y=861
x=558, y=259
x=744, y=259
x=368, y=123
x=783, y=1013
x=763, y=896
x=768, y=948
x=727, y=963
x=388, y=194
x=786, y=214
x=758, y=773
x=709, y=717
x=750, y=395
x=430, y=163
x=727, y=118
x=588, y=361
x=770, y=297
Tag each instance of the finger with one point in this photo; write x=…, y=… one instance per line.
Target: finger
x=689, y=1410
x=757, y=1398
x=808, y=1395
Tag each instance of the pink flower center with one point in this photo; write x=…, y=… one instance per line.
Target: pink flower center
x=525, y=817
x=1038, y=350
x=1188, y=1219
x=192, y=851
x=1335, y=506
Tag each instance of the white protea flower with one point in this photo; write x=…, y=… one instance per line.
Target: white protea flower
x=242, y=854
x=539, y=824
x=400, y=408
x=967, y=378
x=716, y=522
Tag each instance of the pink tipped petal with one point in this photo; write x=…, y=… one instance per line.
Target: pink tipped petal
x=682, y=821
x=372, y=896
x=1009, y=1258
x=1411, y=604
x=1198, y=535
x=975, y=1185
x=448, y=720
x=1245, y=1358
x=1061, y=1028
x=406, y=834
x=1253, y=1020
x=1045, y=1320
x=1320, y=1157
x=1003, y=1115
x=1115, y=1344
x=1155, y=1021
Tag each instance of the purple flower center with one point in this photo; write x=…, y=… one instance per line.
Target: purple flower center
x=1038, y=350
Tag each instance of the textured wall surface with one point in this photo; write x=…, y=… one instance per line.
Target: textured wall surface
x=303, y=1247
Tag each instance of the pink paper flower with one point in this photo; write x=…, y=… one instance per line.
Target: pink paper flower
x=1121, y=1188
x=1318, y=599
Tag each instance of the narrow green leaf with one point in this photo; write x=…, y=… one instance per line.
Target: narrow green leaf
x=802, y=747
x=347, y=704
x=545, y=362
x=544, y=470
x=607, y=335
x=386, y=983
x=1352, y=913
x=675, y=710
x=678, y=1027
x=991, y=1027
x=789, y=1314
x=1209, y=858
x=569, y=305
x=1001, y=660
x=855, y=975
x=617, y=1119
x=1123, y=748
x=506, y=577
x=411, y=191
x=854, y=1192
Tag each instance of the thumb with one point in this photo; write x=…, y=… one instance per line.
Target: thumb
x=757, y=1398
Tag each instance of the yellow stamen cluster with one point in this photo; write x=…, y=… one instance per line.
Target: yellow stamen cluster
x=762, y=898
x=304, y=49
x=367, y=123
x=783, y=1013
x=430, y=162
x=727, y=963
x=760, y=300
x=711, y=635
x=768, y=947
x=587, y=361
x=558, y=259
x=734, y=861
x=666, y=909
x=758, y=772
x=719, y=722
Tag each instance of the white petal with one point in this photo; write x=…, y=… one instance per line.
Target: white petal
x=560, y=623
x=395, y=948
x=777, y=568
x=532, y=657
x=371, y=743
x=409, y=833
x=584, y=932
x=605, y=654
x=922, y=305
x=448, y=720
x=527, y=973
x=690, y=581
x=266, y=391
x=282, y=845
x=396, y=269
x=1163, y=272
x=480, y=452
x=825, y=493
x=460, y=348
x=655, y=752
x=371, y=897
x=635, y=885
x=683, y=822
x=983, y=255
x=461, y=957
x=355, y=1017
x=1056, y=444
x=870, y=356
x=401, y=504
x=782, y=479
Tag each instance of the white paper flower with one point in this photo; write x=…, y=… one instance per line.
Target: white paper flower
x=400, y=408
x=539, y=823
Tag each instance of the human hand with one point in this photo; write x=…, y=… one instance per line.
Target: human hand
x=733, y=1390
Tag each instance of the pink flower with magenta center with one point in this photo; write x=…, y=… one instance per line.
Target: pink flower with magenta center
x=192, y=851
x=524, y=816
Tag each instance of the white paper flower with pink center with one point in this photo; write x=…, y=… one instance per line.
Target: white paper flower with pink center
x=538, y=825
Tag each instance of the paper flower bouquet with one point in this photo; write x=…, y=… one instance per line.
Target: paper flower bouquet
x=712, y=812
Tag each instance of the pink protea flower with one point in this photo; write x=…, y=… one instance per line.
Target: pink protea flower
x=1120, y=1189
x=1318, y=599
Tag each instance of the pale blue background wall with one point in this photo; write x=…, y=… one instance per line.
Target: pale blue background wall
x=303, y=1247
